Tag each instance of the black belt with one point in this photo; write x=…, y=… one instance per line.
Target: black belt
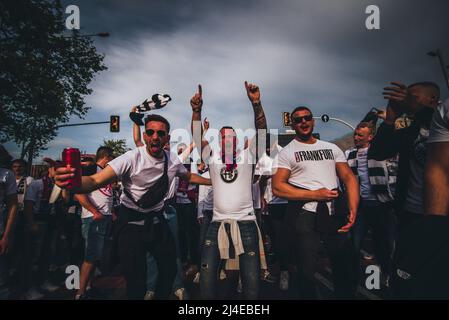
x=130, y=215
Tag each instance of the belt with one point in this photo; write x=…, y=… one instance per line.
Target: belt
x=130, y=215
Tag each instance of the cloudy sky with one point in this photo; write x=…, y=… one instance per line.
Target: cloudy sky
x=303, y=52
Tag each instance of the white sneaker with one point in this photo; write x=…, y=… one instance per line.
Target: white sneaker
x=222, y=274
x=283, y=281
x=181, y=294
x=33, y=294
x=149, y=295
x=197, y=278
x=47, y=286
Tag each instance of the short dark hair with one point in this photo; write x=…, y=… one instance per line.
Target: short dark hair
x=227, y=127
x=426, y=84
x=300, y=108
x=104, y=152
x=20, y=161
x=158, y=118
x=368, y=125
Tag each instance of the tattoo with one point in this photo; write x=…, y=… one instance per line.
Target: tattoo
x=259, y=116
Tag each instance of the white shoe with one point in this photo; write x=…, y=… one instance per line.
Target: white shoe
x=222, y=274
x=33, y=294
x=47, y=286
x=181, y=294
x=283, y=281
x=197, y=278
x=149, y=295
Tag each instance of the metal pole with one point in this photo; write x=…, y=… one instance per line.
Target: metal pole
x=80, y=124
x=339, y=120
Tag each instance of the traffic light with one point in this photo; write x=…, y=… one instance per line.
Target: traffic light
x=114, y=124
x=286, y=119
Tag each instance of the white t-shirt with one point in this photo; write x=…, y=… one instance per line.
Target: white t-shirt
x=232, y=190
x=439, y=130
x=205, y=197
x=266, y=167
x=100, y=199
x=312, y=166
x=7, y=185
x=138, y=171
x=34, y=193
x=172, y=190
x=21, y=196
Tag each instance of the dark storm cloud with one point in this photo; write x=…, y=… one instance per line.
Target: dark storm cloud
x=316, y=53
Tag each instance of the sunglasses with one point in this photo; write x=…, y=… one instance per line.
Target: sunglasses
x=160, y=133
x=297, y=120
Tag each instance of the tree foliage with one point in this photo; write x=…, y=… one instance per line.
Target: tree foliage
x=44, y=72
x=119, y=146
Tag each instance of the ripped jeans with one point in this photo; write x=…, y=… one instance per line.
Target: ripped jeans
x=249, y=261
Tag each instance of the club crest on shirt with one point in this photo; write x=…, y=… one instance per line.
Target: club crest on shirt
x=228, y=176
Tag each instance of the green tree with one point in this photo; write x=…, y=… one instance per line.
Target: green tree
x=119, y=146
x=44, y=74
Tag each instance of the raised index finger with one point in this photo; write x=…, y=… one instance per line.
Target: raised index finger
x=200, y=90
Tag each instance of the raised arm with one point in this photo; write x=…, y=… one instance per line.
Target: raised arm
x=197, y=131
x=136, y=132
x=253, y=92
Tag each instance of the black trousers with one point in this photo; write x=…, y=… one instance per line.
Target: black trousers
x=189, y=233
x=133, y=243
x=339, y=249
x=278, y=234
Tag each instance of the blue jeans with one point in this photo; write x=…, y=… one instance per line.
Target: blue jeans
x=94, y=234
x=249, y=261
x=152, y=271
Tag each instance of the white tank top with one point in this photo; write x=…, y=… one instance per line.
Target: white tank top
x=232, y=190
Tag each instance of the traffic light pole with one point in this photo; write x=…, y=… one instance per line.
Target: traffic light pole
x=338, y=120
x=80, y=124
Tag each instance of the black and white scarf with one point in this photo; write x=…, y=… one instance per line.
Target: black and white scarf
x=382, y=175
x=157, y=101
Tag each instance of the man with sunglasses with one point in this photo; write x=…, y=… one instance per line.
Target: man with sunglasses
x=233, y=232
x=146, y=174
x=307, y=175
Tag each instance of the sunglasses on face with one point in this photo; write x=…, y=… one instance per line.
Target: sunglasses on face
x=297, y=120
x=160, y=133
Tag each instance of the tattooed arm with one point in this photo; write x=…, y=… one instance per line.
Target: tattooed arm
x=260, y=122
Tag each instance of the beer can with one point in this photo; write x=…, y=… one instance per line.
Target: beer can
x=71, y=157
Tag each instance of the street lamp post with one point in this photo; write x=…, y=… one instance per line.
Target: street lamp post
x=100, y=34
x=444, y=67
